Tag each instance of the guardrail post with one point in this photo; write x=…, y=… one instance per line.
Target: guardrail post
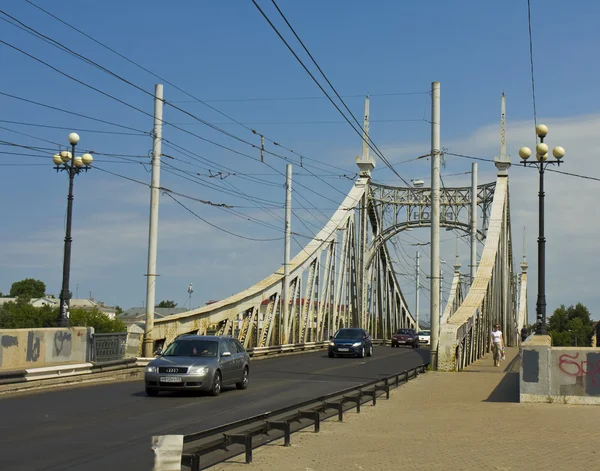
x=386, y=388
x=167, y=452
x=355, y=399
x=373, y=394
x=340, y=408
x=314, y=416
x=243, y=439
x=285, y=427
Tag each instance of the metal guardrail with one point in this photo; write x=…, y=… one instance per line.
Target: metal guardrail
x=256, y=351
x=109, y=347
x=215, y=445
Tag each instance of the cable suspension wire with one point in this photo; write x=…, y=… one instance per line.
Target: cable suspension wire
x=366, y=139
x=531, y=62
x=66, y=49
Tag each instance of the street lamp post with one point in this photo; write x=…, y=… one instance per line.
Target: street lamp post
x=541, y=151
x=67, y=162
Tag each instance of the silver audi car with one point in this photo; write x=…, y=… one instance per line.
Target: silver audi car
x=200, y=363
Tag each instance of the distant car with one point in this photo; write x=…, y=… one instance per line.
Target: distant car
x=424, y=337
x=199, y=363
x=406, y=337
x=351, y=341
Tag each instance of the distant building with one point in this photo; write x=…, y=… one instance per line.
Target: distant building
x=88, y=304
x=137, y=315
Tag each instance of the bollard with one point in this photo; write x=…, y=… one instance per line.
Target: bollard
x=167, y=452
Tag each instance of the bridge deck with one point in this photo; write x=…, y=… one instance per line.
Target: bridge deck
x=469, y=420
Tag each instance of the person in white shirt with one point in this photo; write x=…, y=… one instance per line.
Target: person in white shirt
x=497, y=344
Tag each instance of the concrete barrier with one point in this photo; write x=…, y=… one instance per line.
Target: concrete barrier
x=31, y=348
x=567, y=375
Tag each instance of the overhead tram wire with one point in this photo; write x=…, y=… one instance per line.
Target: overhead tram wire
x=368, y=139
x=320, y=97
x=73, y=113
x=62, y=47
x=66, y=49
x=483, y=159
x=220, y=228
x=137, y=109
x=20, y=123
x=148, y=114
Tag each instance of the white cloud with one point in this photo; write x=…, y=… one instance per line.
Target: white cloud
x=111, y=233
x=571, y=227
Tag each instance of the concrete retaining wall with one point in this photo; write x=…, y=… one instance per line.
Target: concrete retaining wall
x=568, y=375
x=29, y=348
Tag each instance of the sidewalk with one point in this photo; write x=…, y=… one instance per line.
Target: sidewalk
x=445, y=421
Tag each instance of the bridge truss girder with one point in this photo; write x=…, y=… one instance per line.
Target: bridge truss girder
x=328, y=284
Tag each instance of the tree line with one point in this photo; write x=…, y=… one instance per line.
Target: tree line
x=20, y=314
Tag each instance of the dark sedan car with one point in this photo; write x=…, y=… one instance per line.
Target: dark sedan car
x=406, y=337
x=201, y=363
x=351, y=341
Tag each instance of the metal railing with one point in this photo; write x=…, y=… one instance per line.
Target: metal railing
x=209, y=447
x=109, y=347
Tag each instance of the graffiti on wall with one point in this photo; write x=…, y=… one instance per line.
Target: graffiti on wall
x=33, y=346
x=587, y=367
x=62, y=344
x=7, y=341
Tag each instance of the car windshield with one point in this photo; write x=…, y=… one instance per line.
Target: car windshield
x=405, y=331
x=424, y=332
x=349, y=334
x=192, y=348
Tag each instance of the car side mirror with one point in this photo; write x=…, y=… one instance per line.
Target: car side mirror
x=331, y=337
x=158, y=352
x=226, y=354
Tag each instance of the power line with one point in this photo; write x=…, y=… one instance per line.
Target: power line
x=20, y=123
x=585, y=177
x=531, y=62
x=238, y=100
x=366, y=139
x=89, y=61
x=220, y=228
x=74, y=113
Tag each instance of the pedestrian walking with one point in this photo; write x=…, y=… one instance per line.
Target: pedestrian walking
x=497, y=346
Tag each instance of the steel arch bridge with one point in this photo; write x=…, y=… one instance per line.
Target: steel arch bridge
x=345, y=277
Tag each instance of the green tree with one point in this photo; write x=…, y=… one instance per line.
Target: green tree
x=167, y=304
x=118, y=310
x=101, y=323
x=22, y=315
x=570, y=325
x=28, y=288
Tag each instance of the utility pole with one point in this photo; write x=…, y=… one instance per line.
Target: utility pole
x=153, y=230
x=418, y=282
x=286, y=250
x=474, y=207
x=441, y=297
x=435, y=221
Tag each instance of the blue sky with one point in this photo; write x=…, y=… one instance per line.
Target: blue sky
x=225, y=53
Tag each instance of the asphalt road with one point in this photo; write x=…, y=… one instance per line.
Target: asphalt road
x=109, y=426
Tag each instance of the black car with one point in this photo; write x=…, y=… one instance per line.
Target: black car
x=406, y=337
x=351, y=341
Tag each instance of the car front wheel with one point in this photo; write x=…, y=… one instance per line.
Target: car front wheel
x=216, y=387
x=371, y=351
x=243, y=384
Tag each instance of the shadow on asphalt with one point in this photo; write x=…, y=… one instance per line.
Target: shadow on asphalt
x=507, y=390
x=165, y=394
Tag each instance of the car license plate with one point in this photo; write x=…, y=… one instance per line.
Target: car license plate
x=170, y=379
x=343, y=349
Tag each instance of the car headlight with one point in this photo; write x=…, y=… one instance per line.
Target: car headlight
x=199, y=370
x=332, y=344
x=356, y=344
x=151, y=369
